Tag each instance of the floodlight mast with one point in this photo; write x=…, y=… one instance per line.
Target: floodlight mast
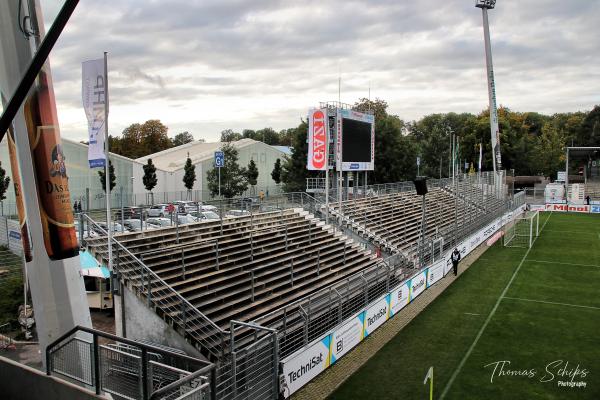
x=495, y=132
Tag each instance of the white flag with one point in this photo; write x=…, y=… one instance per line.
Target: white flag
x=429, y=375
x=94, y=102
x=480, y=156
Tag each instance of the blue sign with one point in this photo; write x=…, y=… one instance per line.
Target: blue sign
x=219, y=159
x=354, y=166
x=14, y=235
x=596, y=209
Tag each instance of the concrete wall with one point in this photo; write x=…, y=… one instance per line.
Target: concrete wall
x=142, y=323
x=20, y=382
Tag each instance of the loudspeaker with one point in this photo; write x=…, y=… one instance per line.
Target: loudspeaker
x=421, y=185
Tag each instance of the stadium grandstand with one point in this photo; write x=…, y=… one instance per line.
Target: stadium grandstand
x=248, y=291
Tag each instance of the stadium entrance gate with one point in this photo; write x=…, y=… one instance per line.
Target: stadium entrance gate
x=250, y=370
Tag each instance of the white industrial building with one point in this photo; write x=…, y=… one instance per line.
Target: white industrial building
x=85, y=184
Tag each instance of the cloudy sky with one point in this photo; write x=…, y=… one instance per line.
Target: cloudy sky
x=208, y=65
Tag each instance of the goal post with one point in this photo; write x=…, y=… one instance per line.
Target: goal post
x=522, y=230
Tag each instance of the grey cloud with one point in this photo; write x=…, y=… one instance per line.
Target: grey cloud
x=294, y=50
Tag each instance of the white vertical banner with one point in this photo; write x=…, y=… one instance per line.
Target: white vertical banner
x=94, y=102
x=480, y=156
x=317, y=140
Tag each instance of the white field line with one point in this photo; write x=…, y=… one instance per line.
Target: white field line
x=574, y=232
x=563, y=263
x=470, y=313
x=488, y=319
x=552, y=302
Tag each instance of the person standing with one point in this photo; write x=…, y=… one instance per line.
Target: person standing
x=455, y=260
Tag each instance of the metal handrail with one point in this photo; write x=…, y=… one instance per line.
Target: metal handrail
x=189, y=307
x=145, y=349
x=188, y=378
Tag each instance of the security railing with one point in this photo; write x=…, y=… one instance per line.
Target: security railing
x=165, y=300
x=236, y=378
x=126, y=368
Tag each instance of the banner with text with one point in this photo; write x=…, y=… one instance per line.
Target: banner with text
x=317, y=140
x=301, y=367
x=349, y=335
x=377, y=314
x=94, y=102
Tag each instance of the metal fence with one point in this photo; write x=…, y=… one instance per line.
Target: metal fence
x=301, y=322
x=128, y=369
x=240, y=371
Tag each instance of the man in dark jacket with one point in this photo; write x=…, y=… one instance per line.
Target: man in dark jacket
x=455, y=259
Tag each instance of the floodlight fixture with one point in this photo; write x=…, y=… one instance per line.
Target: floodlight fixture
x=489, y=4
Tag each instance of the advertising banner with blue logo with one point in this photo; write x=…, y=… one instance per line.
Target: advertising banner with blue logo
x=595, y=209
x=377, y=314
x=418, y=284
x=348, y=336
x=399, y=298
x=435, y=272
x=300, y=368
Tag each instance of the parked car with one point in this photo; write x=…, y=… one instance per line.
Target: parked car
x=186, y=206
x=159, y=221
x=158, y=210
x=135, y=225
x=186, y=219
x=116, y=227
x=208, y=207
x=236, y=213
x=204, y=215
x=130, y=213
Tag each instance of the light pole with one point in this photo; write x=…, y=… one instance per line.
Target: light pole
x=486, y=5
x=420, y=183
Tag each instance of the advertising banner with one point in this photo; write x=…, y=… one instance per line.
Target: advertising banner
x=418, y=284
x=595, y=209
x=399, y=298
x=435, y=272
x=348, y=336
x=583, y=208
x=305, y=365
x=376, y=315
x=317, y=140
x=94, y=102
x=537, y=207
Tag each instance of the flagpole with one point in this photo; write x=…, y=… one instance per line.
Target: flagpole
x=107, y=163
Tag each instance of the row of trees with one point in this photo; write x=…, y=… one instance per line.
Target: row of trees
x=234, y=180
x=139, y=140
x=531, y=143
x=265, y=135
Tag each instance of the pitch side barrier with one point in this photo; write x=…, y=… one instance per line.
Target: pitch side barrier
x=302, y=366
x=558, y=207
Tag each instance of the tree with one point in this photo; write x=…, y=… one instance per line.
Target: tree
x=149, y=179
x=111, y=177
x=230, y=136
x=4, y=183
x=182, y=138
x=154, y=137
x=189, y=176
x=252, y=173
x=294, y=172
x=233, y=178
x=276, y=173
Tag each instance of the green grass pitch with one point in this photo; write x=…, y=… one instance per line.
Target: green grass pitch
x=518, y=324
